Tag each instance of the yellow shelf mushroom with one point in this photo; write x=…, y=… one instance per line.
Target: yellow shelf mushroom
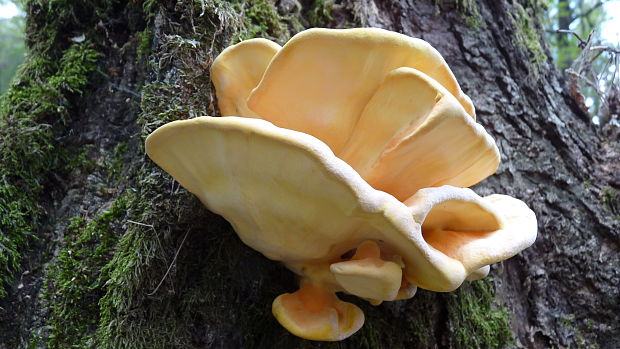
x=345, y=155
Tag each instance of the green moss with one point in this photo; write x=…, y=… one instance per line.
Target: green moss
x=31, y=113
x=35, y=111
x=128, y=275
x=260, y=18
x=469, y=12
x=82, y=160
x=35, y=342
x=475, y=318
x=320, y=13
x=115, y=165
x=73, y=285
x=149, y=8
x=52, y=23
x=145, y=39
x=528, y=38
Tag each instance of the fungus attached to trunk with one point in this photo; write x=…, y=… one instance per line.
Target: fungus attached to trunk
x=366, y=145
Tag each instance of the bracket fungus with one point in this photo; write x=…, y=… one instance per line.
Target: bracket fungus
x=345, y=155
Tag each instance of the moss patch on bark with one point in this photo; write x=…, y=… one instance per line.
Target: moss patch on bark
x=475, y=318
x=527, y=35
x=32, y=114
x=74, y=281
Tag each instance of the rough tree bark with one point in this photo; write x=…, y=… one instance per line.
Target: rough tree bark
x=120, y=256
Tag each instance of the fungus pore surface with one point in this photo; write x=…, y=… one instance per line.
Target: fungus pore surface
x=346, y=155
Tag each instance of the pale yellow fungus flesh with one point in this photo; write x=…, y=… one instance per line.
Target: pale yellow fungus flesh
x=354, y=177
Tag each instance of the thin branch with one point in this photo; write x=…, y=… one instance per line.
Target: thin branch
x=594, y=57
x=566, y=31
x=605, y=48
x=138, y=223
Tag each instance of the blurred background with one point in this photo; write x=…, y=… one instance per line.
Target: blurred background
x=12, y=48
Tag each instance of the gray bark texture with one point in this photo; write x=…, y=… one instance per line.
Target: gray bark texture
x=157, y=270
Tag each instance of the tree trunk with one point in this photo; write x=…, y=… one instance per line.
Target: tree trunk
x=115, y=254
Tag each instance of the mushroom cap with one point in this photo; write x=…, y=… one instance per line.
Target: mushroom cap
x=288, y=196
x=336, y=65
x=381, y=101
x=317, y=314
x=414, y=134
x=236, y=72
